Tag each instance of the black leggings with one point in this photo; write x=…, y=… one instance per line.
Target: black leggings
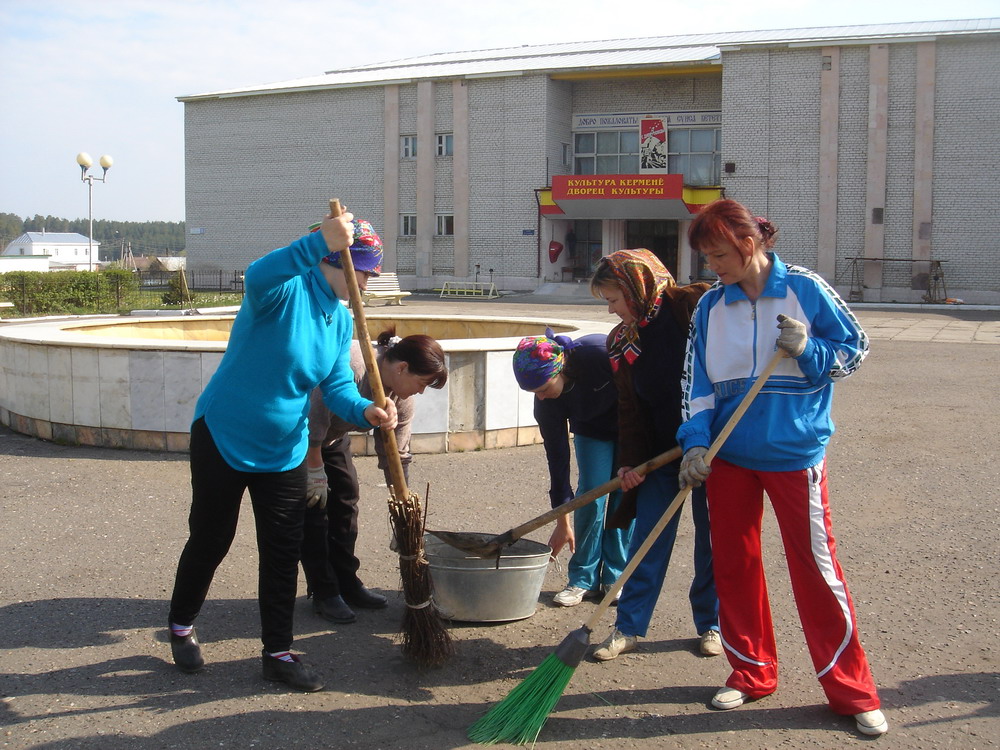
x=328, y=557
x=278, y=500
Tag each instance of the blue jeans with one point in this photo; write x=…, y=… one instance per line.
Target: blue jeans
x=600, y=553
x=638, y=599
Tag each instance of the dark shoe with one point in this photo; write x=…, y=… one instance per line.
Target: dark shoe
x=186, y=652
x=362, y=597
x=334, y=609
x=292, y=673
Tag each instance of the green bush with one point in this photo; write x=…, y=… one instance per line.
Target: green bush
x=72, y=292
x=177, y=291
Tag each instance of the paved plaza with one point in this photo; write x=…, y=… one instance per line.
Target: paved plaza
x=91, y=537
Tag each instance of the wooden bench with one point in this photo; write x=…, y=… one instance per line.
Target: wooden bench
x=485, y=289
x=385, y=286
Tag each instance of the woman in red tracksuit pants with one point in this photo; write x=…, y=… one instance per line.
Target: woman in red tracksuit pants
x=778, y=448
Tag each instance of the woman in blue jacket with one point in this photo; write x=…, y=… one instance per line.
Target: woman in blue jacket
x=575, y=393
x=778, y=448
x=250, y=431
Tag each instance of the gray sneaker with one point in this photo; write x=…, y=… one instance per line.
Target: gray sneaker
x=615, y=644
x=710, y=643
x=872, y=723
x=570, y=596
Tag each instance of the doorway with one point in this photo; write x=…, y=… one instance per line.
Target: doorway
x=659, y=237
x=585, y=246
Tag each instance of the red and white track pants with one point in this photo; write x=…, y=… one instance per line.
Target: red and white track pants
x=799, y=499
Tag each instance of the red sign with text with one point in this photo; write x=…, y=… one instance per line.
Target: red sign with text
x=617, y=186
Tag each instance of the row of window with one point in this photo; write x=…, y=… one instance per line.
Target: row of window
x=695, y=153
x=445, y=145
x=54, y=251
x=408, y=225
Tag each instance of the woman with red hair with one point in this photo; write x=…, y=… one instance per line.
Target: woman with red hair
x=778, y=448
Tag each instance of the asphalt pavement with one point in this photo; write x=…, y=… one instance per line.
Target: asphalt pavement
x=91, y=536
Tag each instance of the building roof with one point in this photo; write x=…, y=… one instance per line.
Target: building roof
x=643, y=52
x=53, y=238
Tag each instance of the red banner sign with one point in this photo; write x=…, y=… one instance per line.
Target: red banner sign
x=617, y=186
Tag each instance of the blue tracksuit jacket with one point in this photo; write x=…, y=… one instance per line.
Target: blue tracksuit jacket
x=788, y=427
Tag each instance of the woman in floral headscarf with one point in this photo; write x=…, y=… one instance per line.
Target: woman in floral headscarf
x=575, y=393
x=647, y=355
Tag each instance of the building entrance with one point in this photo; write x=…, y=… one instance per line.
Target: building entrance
x=659, y=237
x=585, y=248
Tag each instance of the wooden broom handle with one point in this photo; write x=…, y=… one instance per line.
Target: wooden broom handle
x=396, y=474
x=681, y=496
x=587, y=497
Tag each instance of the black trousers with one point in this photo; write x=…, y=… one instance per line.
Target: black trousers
x=278, y=501
x=328, y=559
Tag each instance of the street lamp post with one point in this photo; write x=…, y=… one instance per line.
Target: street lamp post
x=85, y=162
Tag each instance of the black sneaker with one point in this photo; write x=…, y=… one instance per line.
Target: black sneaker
x=187, y=652
x=362, y=597
x=334, y=609
x=292, y=673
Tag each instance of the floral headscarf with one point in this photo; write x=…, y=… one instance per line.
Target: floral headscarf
x=642, y=278
x=538, y=359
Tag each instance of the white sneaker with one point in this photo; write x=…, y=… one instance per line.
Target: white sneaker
x=605, y=588
x=727, y=698
x=872, y=723
x=615, y=644
x=570, y=596
x=711, y=643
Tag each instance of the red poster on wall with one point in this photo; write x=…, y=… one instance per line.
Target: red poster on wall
x=652, y=145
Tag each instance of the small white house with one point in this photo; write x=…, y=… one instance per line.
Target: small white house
x=65, y=250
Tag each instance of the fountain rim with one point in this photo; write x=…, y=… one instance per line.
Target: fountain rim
x=71, y=333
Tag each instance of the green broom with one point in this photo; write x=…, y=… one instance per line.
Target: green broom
x=520, y=716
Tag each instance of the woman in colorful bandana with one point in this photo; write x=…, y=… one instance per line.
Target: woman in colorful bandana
x=575, y=393
x=778, y=448
x=250, y=431
x=647, y=356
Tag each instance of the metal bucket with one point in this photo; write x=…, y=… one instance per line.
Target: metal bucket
x=473, y=589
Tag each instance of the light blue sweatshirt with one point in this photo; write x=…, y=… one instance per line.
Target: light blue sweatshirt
x=788, y=426
x=290, y=335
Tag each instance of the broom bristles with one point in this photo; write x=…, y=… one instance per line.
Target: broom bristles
x=425, y=640
x=520, y=716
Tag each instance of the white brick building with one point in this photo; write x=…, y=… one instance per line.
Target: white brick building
x=52, y=251
x=872, y=148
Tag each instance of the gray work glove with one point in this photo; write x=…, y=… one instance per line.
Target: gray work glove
x=793, y=336
x=317, y=487
x=694, y=470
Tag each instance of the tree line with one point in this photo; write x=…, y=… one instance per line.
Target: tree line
x=144, y=237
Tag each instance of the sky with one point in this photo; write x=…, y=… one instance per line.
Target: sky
x=103, y=77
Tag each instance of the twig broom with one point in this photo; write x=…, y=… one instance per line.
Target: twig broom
x=520, y=716
x=425, y=639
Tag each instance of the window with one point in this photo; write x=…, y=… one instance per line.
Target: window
x=408, y=147
x=606, y=152
x=696, y=154
x=445, y=144
x=408, y=225
x=445, y=225
x=567, y=154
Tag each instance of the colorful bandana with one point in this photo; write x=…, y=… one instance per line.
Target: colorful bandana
x=642, y=277
x=538, y=359
x=366, y=252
